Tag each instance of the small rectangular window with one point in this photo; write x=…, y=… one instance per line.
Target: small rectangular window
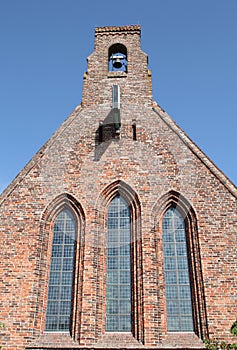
x=101, y=132
x=134, y=130
x=116, y=97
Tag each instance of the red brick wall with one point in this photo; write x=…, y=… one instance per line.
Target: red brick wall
x=160, y=168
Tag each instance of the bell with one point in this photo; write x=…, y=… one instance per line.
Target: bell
x=117, y=63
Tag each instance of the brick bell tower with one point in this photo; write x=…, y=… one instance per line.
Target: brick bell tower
x=117, y=60
x=110, y=235
x=117, y=82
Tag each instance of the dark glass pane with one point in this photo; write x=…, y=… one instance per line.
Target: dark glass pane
x=180, y=236
x=112, y=292
x=58, y=237
x=53, y=292
x=170, y=277
x=181, y=249
x=69, y=238
x=112, y=263
x=125, y=291
x=184, y=292
x=125, y=277
x=66, y=293
x=68, y=251
x=52, y=308
x=182, y=263
x=124, y=213
x=112, y=212
x=51, y=323
x=172, y=292
x=67, y=278
x=55, y=264
x=125, y=307
x=183, y=277
x=113, y=238
x=124, y=222
x=112, y=277
x=124, y=236
x=112, y=223
x=172, y=307
x=55, y=278
x=59, y=226
x=68, y=264
x=125, y=249
x=185, y=307
x=125, y=323
x=112, y=307
x=65, y=307
x=173, y=323
x=169, y=249
x=112, y=251
x=112, y=323
x=64, y=323
x=57, y=251
x=168, y=236
x=170, y=263
x=186, y=323
x=125, y=263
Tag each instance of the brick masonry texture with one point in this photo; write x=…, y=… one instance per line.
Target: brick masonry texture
x=75, y=169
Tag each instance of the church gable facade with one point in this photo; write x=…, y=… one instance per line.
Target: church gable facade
x=119, y=232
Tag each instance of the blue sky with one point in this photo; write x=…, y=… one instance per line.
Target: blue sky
x=192, y=49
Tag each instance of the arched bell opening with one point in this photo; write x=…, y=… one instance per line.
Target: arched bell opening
x=117, y=58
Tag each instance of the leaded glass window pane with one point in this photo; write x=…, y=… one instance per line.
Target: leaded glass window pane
x=118, y=280
x=177, y=277
x=61, y=274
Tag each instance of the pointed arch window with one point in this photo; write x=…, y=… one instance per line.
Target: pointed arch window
x=60, y=288
x=177, y=275
x=118, y=267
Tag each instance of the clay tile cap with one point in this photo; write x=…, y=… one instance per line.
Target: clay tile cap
x=130, y=28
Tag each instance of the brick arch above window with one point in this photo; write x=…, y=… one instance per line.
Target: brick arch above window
x=113, y=189
x=174, y=199
x=57, y=204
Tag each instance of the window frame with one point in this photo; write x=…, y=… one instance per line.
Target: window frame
x=117, y=230
x=177, y=270
x=103, y=201
x=176, y=199
x=72, y=271
x=46, y=226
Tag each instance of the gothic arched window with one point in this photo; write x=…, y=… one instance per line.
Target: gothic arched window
x=118, y=267
x=177, y=276
x=59, y=305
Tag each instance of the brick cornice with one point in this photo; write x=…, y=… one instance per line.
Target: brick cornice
x=115, y=30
